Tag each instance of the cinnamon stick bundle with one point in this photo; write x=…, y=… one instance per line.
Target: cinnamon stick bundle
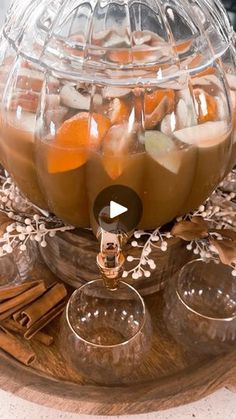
x=41, y=337
x=42, y=305
x=43, y=321
x=14, y=290
x=25, y=298
x=16, y=348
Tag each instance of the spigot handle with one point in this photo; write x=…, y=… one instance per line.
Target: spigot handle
x=110, y=259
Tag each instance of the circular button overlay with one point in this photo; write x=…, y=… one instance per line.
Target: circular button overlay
x=118, y=209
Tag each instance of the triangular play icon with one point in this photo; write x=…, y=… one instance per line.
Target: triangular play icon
x=116, y=209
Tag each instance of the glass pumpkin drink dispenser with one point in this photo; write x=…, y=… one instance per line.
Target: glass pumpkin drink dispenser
x=117, y=93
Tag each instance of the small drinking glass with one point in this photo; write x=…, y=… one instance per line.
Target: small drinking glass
x=200, y=307
x=105, y=333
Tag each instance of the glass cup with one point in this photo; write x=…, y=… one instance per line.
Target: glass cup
x=105, y=334
x=200, y=307
x=16, y=267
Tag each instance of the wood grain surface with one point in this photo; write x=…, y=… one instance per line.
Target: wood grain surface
x=169, y=377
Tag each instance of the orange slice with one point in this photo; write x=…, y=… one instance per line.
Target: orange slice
x=120, y=56
x=64, y=160
x=209, y=71
x=114, y=165
x=119, y=112
x=153, y=99
x=156, y=105
x=206, y=106
x=194, y=61
x=71, y=146
x=183, y=46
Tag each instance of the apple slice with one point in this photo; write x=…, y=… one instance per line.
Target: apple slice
x=168, y=124
x=142, y=37
x=163, y=150
x=115, y=150
x=111, y=92
x=204, y=135
x=74, y=99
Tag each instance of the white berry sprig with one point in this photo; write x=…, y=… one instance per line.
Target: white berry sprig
x=35, y=226
x=157, y=240
x=33, y=230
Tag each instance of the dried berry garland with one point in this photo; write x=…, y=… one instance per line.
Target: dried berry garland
x=210, y=232
x=25, y=220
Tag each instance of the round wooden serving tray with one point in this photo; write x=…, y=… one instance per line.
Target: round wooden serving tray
x=169, y=377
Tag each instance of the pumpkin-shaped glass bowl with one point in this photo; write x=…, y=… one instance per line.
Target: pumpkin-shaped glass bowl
x=96, y=94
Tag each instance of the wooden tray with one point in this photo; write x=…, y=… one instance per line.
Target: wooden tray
x=168, y=378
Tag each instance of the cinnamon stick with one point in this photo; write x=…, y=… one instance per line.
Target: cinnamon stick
x=17, y=314
x=13, y=291
x=46, y=319
x=11, y=312
x=16, y=348
x=12, y=326
x=24, y=298
x=41, y=337
x=42, y=305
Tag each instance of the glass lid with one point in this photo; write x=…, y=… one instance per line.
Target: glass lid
x=123, y=41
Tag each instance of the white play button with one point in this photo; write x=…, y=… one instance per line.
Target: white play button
x=116, y=209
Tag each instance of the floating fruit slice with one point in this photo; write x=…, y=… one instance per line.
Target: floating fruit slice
x=153, y=99
x=121, y=56
x=110, y=92
x=204, y=135
x=206, y=106
x=163, y=149
x=115, y=150
x=184, y=46
x=119, y=112
x=209, y=71
x=73, y=98
x=157, y=143
x=156, y=105
x=126, y=56
x=83, y=129
x=63, y=160
x=114, y=165
x=70, y=148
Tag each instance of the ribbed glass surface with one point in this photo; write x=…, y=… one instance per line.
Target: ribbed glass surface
x=124, y=39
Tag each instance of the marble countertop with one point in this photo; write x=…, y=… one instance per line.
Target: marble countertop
x=220, y=405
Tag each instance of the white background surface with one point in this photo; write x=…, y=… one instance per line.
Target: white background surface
x=221, y=405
